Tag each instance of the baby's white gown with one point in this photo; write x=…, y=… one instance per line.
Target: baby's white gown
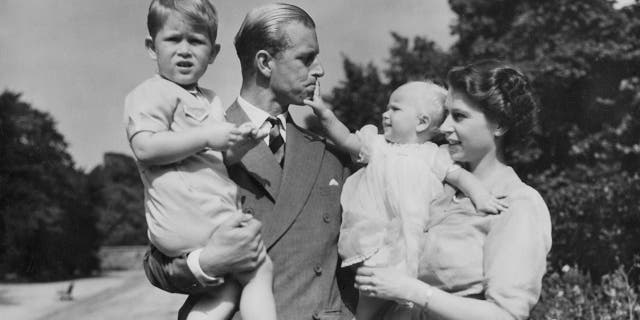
x=386, y=204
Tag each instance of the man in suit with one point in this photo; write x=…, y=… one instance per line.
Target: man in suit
x=291, y=182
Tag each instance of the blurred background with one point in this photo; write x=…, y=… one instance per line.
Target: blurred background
x=71, y=212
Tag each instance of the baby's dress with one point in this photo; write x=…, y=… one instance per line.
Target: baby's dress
x=386, y=204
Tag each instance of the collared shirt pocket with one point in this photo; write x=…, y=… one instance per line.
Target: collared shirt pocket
x=197, y=113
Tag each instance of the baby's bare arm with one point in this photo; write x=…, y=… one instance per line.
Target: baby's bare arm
x=334, y=128
x=471, y=186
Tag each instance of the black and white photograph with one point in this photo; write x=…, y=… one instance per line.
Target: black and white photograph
x=321, y=160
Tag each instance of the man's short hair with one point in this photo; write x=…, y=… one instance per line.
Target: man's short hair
x=199, y=14
x=262, y=30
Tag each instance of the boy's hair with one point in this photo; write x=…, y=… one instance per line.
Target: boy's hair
x=199, y=14
x=262, y=30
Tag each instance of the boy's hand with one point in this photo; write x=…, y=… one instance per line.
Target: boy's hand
x=317, y=104
x=249, y=137
x=491, y=204
x=223, y=135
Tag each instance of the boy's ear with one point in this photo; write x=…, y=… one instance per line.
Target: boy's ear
x=424, y=121
x=264, y=62
x=151, y=48
x=215, y=49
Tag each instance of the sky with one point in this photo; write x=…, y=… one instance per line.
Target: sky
x=77, y=59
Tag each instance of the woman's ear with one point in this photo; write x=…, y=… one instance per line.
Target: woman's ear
x=264, y=62
x=424, y=121
x=500, y=130
x=151, y=48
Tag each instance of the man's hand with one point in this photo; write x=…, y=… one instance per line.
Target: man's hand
x=235, y=246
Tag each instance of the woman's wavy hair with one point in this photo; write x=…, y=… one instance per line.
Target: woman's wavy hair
x=503, y=93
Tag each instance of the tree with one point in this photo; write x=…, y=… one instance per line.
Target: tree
x=582, y=58
x=48, y=228
x=117, y=195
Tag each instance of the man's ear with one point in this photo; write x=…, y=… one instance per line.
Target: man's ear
x=424, y=121
x=215, y=49
x=151, y=48
x=264, y=63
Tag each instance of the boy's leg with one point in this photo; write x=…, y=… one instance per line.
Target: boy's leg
x=257, y=301
x=218, y=305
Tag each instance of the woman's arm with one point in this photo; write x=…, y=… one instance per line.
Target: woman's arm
x=390, y=284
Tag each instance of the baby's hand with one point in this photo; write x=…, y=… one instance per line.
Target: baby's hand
x=492, y=204
x=317, y=104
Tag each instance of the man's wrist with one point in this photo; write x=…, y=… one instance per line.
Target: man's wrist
x=193, y=261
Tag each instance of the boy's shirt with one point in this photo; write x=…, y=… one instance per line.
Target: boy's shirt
x=185, y=200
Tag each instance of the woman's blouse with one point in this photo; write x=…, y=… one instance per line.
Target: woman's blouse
x=501, y=257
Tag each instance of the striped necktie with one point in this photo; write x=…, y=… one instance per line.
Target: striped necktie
x=276, y=142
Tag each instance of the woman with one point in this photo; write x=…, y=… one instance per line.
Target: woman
x=475, y=266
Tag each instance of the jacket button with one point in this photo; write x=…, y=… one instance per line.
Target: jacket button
x=326, y=218
x=248, y=210
x=317, y=269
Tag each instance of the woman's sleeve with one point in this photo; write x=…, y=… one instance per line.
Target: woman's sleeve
x=515, y=253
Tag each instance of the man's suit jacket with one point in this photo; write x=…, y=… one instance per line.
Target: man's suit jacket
x=299, y=207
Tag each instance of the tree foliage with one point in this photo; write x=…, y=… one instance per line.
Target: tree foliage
x=117, y=196
x=46, y=222
x=583, y=59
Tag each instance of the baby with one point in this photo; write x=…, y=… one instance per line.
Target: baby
x=386, y=203
x=177, y=132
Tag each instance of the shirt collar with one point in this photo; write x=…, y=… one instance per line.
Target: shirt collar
x=258, y=116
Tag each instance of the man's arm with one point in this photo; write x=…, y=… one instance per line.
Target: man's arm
x=236, y=246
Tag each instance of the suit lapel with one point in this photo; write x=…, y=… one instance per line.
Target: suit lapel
x=303, y=157
x=259, y=162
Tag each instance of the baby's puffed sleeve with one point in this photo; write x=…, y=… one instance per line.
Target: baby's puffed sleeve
x=442, y=163
x=370, y=142
x=515, y=253
x=146, y=109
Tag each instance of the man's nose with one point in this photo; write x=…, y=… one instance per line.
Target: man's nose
x=317, y=70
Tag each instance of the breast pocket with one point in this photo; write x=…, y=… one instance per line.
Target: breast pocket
x=196, y=114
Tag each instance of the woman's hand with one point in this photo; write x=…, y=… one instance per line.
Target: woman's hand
x=383, y=282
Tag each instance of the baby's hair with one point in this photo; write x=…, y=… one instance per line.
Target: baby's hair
x=199, y=14
x=437, y=98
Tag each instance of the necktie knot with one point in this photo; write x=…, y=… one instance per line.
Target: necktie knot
x=276, y=142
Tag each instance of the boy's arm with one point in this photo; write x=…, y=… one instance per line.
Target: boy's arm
x=336, y=130
x=471, y=186
x=164, y=147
